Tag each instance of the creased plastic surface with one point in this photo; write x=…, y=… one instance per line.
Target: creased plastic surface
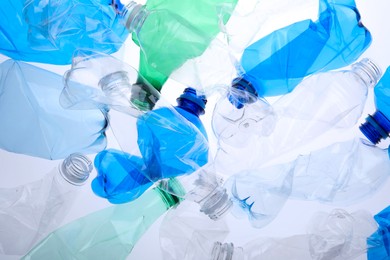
x=276, y=63
x=50, y=31
x=379, y=242
x=382, y=94
x=320, y=103
x=29, y=212
x=110, y=233
x=185, y=31
x=341, y=173
x=33, y=121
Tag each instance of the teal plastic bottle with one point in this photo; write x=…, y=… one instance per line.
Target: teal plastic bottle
x=50, y=31
x=377, y=125
x=172, y=32
x=277, y=63
x=110, y=233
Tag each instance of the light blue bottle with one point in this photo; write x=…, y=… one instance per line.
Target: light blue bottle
x=50, y=31
x=33, y=121
x=378, y=243
x=275, y=64
x=377, y=125
x=169, y=143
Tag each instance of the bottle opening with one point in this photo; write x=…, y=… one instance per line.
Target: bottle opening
x=216, y=204
x=368, y=71
x=376, y=127
x=76, y=168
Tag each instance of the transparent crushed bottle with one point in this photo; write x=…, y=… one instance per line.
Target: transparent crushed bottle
x=50, y=31
x=110, y=233
x=321, y=102
x=185, y=29
x=34, y=122
x=377, y=125
x=341, y=174
x=29, y=212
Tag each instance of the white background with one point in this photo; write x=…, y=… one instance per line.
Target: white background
x=18, y=169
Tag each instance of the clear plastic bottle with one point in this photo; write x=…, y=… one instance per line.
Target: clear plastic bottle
x=110, y=233
x=377, y=125
x=321, y=102
x=341, y=174
x=171, y=32
x=29, y=212
x=34, y=122
x=50, y=31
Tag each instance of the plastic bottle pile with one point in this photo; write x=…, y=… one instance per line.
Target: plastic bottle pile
x=270, y=125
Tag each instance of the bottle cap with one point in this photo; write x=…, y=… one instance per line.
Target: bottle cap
x=376, y=127
x=191, y=95
x=242, y=92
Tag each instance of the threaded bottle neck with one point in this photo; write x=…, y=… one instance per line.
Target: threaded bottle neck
x=216, y=204
x=376, y=127
x=76, y=168
x=242, y=92
x=223, y=251
x=367, y=71
x=192, y=102
x=133, y=15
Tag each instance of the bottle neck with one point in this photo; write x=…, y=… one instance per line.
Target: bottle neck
x=216, y=204
x=76, y=168
x=367, y=71
x=241, y=92
x=191, y=102
x=133, y=15
x=226, y=251
x=376, y=127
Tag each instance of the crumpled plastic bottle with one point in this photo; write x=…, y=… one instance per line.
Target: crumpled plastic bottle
x=185, y=234
x=377, y=125
x=171, y=32
x=33, y=121
x=110, y=233
x=50, y=31
x=275, y=64
x=341, y=173
x=321, y=102
x=378, y=243
x=31, y=211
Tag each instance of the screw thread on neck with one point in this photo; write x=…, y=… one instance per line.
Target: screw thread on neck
x=76, y=168
x=367, y=71
x=216, y=204
x=223, y=251
x=134, y=15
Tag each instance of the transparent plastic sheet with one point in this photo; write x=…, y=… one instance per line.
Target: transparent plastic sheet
x=169, y=140
x=29, y=100
x=185, y=228
x=378, y=243
x=276, y=63
x=29, y=212
x=334, y=235
x=197, y=22
x=110, y=233
x=321, y=102
x=342, y=173
x=260, y=194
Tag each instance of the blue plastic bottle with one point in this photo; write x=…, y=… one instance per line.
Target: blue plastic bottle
x=33, y=121
x=377, y=125
x=275, y=64
x=50, y=31
x=170, y=147
x=378, y=243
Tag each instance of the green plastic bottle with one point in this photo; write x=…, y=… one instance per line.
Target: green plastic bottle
x=110, y=233
x=171, y=32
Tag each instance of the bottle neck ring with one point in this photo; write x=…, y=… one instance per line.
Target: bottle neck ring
x=216, y=204
x=192, y=102
x=242, y=92
x=76, y=168
x=367, y=71
x=133, y=15
x=376, y=127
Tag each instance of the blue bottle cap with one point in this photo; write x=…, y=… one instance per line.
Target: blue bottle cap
x=376, y=127
x=192, y=102
x=242, y=92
